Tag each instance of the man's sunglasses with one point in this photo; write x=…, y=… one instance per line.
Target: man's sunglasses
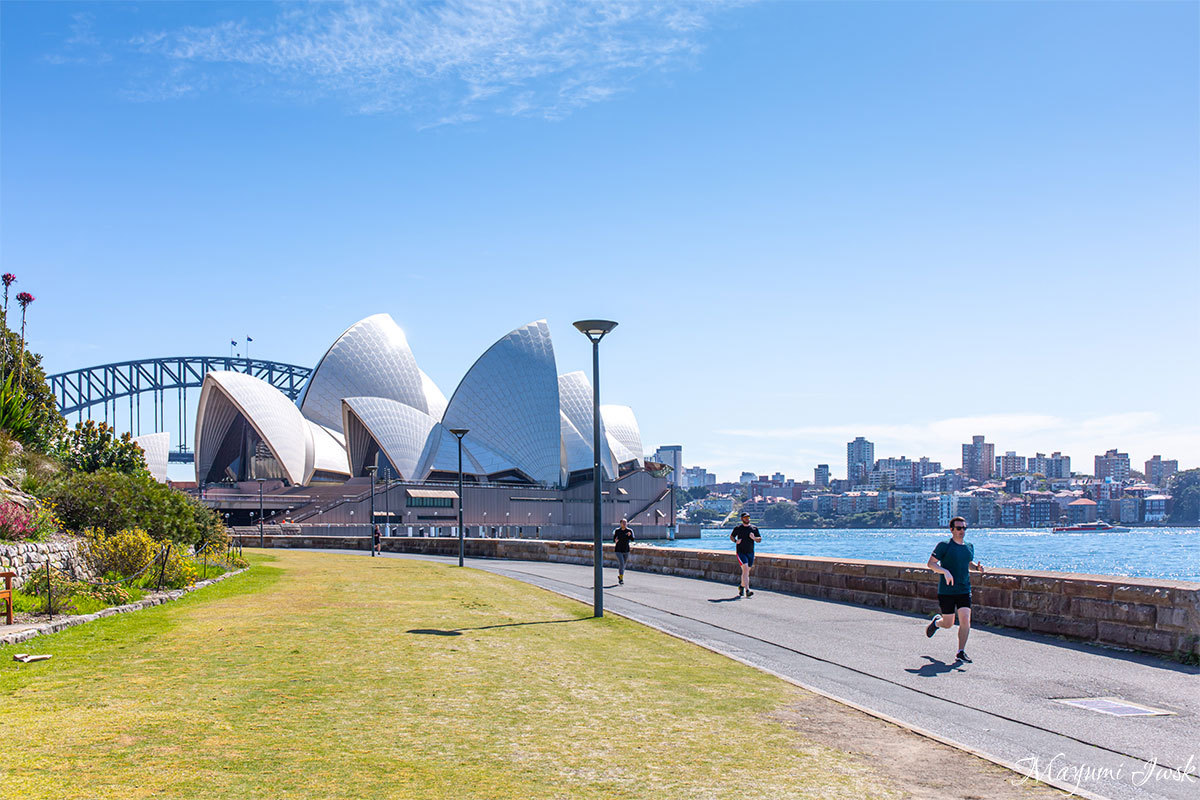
x=960, y=527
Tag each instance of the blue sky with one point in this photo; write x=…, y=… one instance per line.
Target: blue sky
x=909, y=221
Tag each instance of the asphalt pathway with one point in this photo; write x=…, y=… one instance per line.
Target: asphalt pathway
x=1002, y=706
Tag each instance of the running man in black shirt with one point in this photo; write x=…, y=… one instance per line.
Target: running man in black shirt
x=953, y=560
x=622, y=536
x=745, y=535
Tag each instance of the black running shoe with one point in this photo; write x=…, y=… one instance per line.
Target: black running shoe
x=932, y=627
x=963, y=657
x=741, y=590
x=749, y=593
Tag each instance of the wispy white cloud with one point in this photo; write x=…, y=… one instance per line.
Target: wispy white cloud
x=452, y=60
x=82, y=45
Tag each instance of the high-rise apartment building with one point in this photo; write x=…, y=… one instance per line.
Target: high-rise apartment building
x=860, y=458
x=978, y=459
x=1053, y=466
x=695, y=477
x=1159, y=471
x=1009, y=464
x=1112, y=465
x=748, y=477
x=672, y=456
x=821, y=476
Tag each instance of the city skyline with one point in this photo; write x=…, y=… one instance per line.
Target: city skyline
x=910, y=222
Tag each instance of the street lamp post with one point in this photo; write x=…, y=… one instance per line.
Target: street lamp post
x=595, y=330
x=459, y=433
x=261, y=481
x=387, y=501
x=371, y=528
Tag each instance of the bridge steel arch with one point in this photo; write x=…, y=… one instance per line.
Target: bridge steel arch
x=81, y=391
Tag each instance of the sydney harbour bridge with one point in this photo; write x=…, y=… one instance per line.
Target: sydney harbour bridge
x=151, y=395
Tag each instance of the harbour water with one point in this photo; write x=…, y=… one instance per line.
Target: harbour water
x=1170, y=553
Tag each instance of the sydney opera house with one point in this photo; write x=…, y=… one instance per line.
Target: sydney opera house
x=371, y=432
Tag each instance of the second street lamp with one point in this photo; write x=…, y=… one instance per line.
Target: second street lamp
x=261, y=481
x=371, y=528
x=595, y=330
x=459, y=433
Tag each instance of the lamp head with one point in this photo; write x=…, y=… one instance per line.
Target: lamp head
x=460, y=432
x=595, y=329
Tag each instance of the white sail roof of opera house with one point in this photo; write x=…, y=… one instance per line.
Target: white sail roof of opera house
x=329, y=453
x=227, y=396
x=156, y=448
x=575, y=399
x=509, y=401
x=400, y=431
x=370, y=359
x=624, y=435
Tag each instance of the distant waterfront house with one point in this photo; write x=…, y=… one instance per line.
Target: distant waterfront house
x=1081, y=510
x=1156, y=507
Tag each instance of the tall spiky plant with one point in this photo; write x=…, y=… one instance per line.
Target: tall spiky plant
x=24, y=298
x=9, y=279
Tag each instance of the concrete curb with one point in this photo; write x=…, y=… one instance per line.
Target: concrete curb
x=42, y=628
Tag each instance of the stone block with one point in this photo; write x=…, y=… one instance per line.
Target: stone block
x=849, y=569
x=1041, y=603
x=1002, y=616
x=1135, y=593
x=1177, y=619
x=882, y=570
x=1089, y=589
x=1136, y=637
x=899, y=588
x=993, y=598
x=1063, y=626
x=1038, y=583
x=831, y=580
x=865, y=584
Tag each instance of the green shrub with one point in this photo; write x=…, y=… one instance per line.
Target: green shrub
x=112, y=594
x=61, y=589
x=181, y=571
x=115, y=501
x=124, y=553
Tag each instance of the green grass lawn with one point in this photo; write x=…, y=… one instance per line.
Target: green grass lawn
x=330, y=676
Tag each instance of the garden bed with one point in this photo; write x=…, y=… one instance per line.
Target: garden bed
x=36, y=624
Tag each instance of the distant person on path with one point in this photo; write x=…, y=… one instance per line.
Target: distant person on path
x=622, y=536
x=376, y=541
x=953, y=560
x=745, y=535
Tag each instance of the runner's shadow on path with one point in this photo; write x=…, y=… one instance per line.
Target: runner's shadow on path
x=459, y=631
x=724, y=599
x=934, y=668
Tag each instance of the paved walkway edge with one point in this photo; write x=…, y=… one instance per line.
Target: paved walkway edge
x=42, y=628
x=1060, y=785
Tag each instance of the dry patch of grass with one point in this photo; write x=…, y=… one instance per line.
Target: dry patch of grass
x=328, y=676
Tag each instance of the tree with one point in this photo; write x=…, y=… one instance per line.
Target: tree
x=704, y=515
x=1185, y=491
x=782, y=515
x=91, y=448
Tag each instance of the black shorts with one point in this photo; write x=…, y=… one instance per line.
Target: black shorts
x=951, y=603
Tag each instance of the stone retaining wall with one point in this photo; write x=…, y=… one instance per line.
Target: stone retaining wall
x=25, y=557
x=1153, y=616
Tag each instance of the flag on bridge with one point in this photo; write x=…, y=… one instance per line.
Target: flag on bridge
x=248, y=339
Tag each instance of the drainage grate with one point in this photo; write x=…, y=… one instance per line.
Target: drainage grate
x=1115, y=706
